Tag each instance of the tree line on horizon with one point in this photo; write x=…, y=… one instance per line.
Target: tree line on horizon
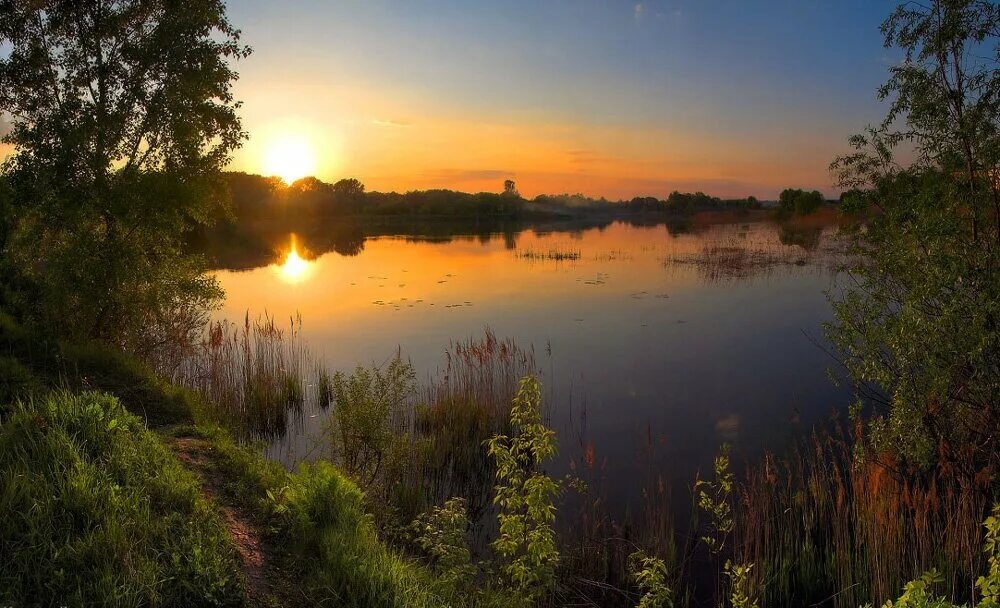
x=257, y=197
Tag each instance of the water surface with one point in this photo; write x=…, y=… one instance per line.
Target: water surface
x=647, y=336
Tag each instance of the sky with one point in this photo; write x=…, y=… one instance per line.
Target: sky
x=599, y=97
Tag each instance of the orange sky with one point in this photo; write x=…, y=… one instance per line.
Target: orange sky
x=394, y=140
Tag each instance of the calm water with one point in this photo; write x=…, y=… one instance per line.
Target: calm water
x=685, y=339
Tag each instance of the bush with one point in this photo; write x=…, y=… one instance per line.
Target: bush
x=99, y=513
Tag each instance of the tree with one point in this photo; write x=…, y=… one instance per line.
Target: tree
x=800, y=202
x=919, y=328
x=122, y=117
x=349, y=195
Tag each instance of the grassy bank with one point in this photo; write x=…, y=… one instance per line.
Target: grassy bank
x=99, y=512
x=102, y=512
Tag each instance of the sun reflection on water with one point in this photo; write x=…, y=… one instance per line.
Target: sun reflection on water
x=295, y=268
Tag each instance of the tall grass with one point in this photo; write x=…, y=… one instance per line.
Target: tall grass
x=253, y=374
x=823, y=526
x=464, y=404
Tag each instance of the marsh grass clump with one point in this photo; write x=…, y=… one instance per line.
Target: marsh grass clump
x=324, y=388
x=253, y=375
x=464, y=405
x=99, y=513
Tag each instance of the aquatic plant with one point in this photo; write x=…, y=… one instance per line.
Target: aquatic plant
x=823, y=525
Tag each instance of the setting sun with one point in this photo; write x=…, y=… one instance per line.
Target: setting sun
x=292, y=157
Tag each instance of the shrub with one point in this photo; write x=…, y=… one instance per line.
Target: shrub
x=364, y=405
x=650, y=574
x=441, y=534
x=526, y=496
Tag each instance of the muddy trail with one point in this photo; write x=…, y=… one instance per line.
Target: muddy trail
x=268, y=582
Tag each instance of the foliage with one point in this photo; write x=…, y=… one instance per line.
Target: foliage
x=364, y=404
x=650, y=574
x=918, y=328
x=715, y=498
x=91, y=365
x=526, y=496
x=98, y=512
x=741, y=594
x=441, y=534
x=799, y=202
x=122, y=115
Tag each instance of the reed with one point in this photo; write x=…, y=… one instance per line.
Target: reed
x=823, y=526
x=554, y=255
x=465, y=403
x=253, y=374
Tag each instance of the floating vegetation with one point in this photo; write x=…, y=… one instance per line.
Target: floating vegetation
x=599, y=279
x=615, y=255
x=555, y=255
x=742, y=258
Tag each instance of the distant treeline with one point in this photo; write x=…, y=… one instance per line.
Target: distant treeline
x=256, y=197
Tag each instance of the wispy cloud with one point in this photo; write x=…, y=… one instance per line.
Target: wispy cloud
x=391, y=123
x=639, y=10
x=585, y=156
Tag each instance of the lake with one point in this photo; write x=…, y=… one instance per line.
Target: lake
x=656, y=343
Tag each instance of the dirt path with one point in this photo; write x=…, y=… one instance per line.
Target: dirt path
x=267, y=585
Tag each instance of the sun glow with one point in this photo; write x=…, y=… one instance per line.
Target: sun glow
x=295, y=268
x=290, y=157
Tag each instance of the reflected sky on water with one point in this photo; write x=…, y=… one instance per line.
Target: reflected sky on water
x=645, y=337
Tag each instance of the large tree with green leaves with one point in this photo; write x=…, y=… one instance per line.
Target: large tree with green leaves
x=919, y=323
x=122, y=117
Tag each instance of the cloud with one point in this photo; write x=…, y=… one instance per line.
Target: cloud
x=639, y=10
x=393, y=124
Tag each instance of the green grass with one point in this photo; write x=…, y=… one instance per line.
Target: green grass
x=318, y=517
x=98, y=512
